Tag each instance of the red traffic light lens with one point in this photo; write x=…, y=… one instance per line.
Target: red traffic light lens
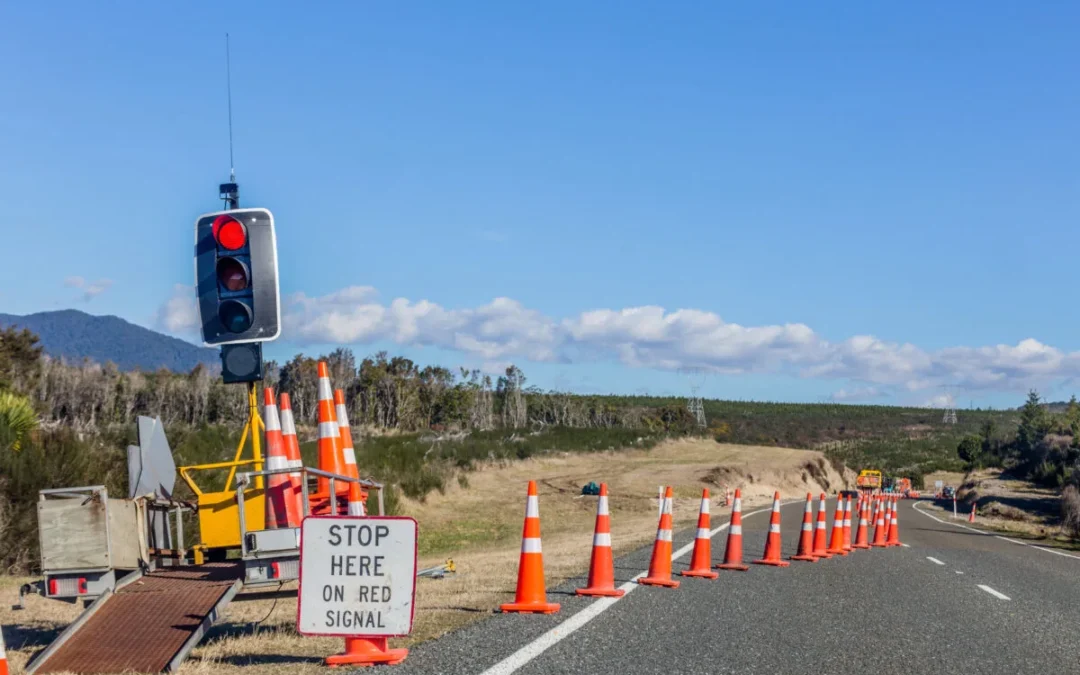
x=232, y=274
x=229, y=232
x=235, y=316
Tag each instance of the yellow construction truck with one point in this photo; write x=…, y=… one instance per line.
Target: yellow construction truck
x=868, y=480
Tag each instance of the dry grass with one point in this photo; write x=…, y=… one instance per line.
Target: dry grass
x=479, y=526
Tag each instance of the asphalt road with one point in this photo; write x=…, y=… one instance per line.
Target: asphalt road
x=982, y=605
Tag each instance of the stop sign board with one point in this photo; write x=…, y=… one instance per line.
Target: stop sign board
x=357, y=576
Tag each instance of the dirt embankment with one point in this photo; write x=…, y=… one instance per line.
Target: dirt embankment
x=477, y=522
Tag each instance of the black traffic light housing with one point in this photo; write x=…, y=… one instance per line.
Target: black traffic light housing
x=236, y=278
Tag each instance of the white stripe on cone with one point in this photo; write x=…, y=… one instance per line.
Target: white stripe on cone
x=602, y=507
x=703, y=533
x=350, y=456
x=663, y=535
x=735, y=529
x=532, y=507
x=602, y=539
x=328, y=430
x=738, y=504
x=530, y=545
x=774, y=528
x=325, y=393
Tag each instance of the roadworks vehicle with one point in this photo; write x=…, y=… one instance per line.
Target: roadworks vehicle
x=868, y=480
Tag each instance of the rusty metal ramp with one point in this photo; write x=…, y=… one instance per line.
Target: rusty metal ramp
x=148, y=625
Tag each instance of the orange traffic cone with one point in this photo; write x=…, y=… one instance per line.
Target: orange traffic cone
x=280, y=502
x=819, y=530
x=971, y=516
x=772, y=542
x=701, y=559
x=862, y=538
x=894, y=529
x=602, y=566
x=879, y=526
x=531, y=595
x=348, y=453
x=660, y=564
x=366, y=652
x=356, y=500
x=836, y=541
x=887, y=505
x=292, y=451
x=733, y=552
x=330, y=455
x=806, y=539
x=727, y=497
x=3, y=655
x=847, y=525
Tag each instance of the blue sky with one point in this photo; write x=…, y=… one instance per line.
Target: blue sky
x=799, y=175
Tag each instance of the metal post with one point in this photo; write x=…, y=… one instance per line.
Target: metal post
x=333, y=498
x=382, y=511
x=240, y=482
x=304, y=489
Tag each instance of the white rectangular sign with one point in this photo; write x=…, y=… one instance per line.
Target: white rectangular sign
x=357, y=576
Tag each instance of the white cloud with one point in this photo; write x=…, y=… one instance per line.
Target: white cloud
x=179, y=314
x=504, y=330
x=858, y=394
x=90, y=290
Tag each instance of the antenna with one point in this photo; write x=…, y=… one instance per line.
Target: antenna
x=229, y=192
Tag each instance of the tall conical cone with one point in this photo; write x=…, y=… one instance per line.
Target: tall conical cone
x=894, y=527
x=660, y=564
x=836, y=541
x=773, y=543
x=862, y=537
x=280, y=497
x=847, y=524
x=531, y=595
x=733, y=557
x=820, y=530
x=602, y=565
x=806, y=538
x=701, y=559
x=292, y=452
x=330, y=454
x=348, y=453
x=971, y=516
x=879, y=525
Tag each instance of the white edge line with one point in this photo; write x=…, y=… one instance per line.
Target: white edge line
x=934, y=560
x=905, y=545
x=1000, y=596
x=996, y=536
x=552, y=637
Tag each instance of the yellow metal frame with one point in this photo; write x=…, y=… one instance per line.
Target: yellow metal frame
x=219, y=525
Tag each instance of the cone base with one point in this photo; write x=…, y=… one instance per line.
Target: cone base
x=807, y=558
x=738, y=567
x=860, y=546
x=823, y=554
x=367, y=653
x=836, y=551
x=530, y=607
x=774, y=563
x=659, y=581
x=879, y=545
x=606, y=592
x=892, y=543
x=706, y=573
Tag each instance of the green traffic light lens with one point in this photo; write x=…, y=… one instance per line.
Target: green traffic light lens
x=235, y=316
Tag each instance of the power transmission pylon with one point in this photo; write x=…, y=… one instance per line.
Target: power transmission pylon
x=694, y=404
x=949, y=404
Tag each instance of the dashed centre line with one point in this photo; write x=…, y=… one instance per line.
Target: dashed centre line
x=934, y=560
x=1000, y=596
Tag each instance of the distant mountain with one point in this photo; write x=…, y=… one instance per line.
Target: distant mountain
x=74, y=335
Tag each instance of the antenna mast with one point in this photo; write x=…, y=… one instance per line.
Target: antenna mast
x=229, y=192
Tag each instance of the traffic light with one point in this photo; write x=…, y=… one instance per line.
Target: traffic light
x=236, y=277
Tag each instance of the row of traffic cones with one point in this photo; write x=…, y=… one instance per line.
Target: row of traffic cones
x=531, y=595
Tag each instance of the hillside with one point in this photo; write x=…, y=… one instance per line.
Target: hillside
x=75, y=335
